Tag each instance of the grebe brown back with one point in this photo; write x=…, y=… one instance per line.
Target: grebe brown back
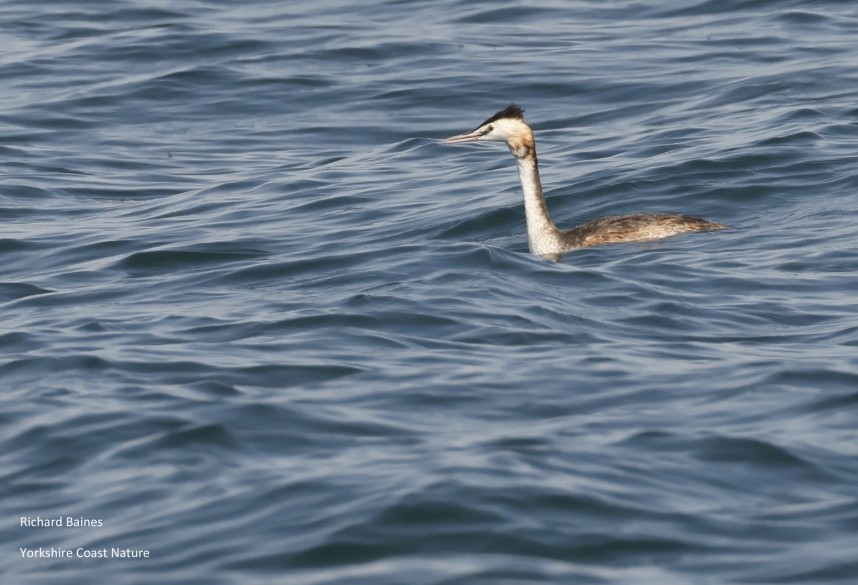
x=543, y=237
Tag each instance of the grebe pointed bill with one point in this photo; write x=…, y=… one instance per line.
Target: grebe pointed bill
x=543, y=237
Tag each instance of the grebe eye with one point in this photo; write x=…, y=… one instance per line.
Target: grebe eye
x=489, y=129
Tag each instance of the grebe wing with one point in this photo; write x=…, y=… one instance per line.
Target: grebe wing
x=640, y=227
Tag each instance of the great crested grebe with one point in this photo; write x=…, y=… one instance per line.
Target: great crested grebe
x=543, y=237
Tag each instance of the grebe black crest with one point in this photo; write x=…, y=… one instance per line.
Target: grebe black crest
x=543, y=237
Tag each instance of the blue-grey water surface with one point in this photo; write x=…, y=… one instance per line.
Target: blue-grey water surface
x=258, y=321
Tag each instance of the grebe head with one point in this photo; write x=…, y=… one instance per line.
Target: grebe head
x=507, y=126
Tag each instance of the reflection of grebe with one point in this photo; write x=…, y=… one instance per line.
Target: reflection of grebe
x=543, y=237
